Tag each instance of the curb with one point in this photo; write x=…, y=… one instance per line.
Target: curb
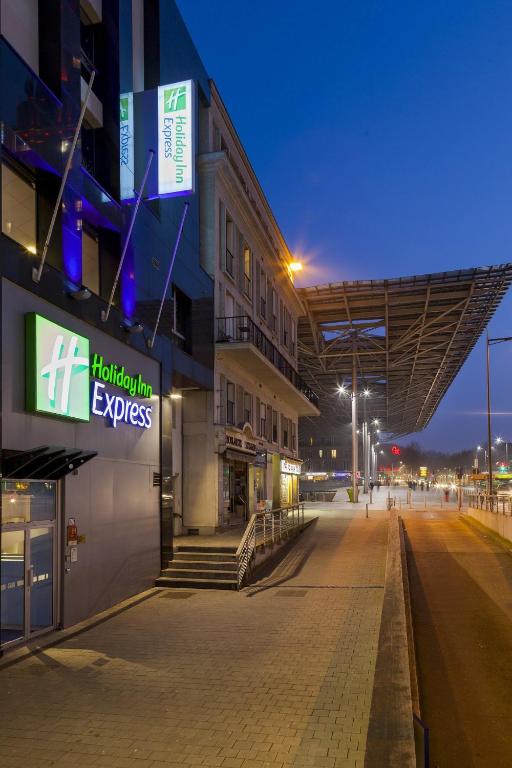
x=57, y=637
x=390, y=740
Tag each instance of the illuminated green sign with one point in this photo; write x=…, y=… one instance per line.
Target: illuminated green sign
x=57, y=369
x=114, y=374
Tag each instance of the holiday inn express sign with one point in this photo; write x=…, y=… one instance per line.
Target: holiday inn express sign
x=58, y=371
x=176, y=138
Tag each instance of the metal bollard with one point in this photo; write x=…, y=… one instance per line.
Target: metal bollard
x=367, y=510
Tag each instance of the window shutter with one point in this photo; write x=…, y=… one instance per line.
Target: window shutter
x=269, y=424
x=221, y=416
x=257, y=277
x=239, y=404
x=241, y=261
x=258, y=430
x=222, y=236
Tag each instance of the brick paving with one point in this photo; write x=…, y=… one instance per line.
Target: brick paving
x=280, y=674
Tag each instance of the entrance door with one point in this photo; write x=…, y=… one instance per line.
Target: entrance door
x=28, y=559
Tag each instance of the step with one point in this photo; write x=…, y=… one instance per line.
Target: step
x=174, y=583
x=197, y=573
x=217, y=549
x=200, y=554
x=204, y=565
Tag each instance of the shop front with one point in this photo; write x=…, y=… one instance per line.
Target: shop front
x=289, y=484
x=80, y=472
x=237, y=478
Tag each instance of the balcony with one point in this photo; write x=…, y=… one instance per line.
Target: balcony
x=244, y=342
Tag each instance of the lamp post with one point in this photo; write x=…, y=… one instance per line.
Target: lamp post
x=491, y=342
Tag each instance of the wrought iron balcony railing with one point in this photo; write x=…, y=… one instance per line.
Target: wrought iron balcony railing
x=240, y=328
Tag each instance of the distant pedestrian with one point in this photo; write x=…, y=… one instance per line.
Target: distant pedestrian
x=371, y=485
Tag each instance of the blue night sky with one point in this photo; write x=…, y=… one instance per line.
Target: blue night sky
x=381, y=133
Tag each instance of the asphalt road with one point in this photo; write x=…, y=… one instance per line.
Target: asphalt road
x=461, y=593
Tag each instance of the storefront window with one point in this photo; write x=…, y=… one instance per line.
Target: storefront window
x=27, y=502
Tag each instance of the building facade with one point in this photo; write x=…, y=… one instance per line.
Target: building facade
x=92, y=470
x=244, y=434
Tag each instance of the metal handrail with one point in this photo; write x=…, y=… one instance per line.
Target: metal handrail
x=500, y=504
x=267, y=528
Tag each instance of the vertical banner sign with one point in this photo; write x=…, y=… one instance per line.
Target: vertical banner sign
x=176, y=139
x=127, y=154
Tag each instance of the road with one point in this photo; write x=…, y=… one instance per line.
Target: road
x=461, y=592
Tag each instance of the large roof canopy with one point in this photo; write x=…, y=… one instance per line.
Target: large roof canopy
x=408, y=336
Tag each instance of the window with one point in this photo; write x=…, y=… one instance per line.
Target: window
x=274, y=310
x=263, y=420
x=285, y=423
x=263, y=295
x=230, y=403
x=230, y=260
x=90, y=262
x=247, y=408
x=320, y=453
x=286, y=328
x=294, y=436
x=247, y=270
x=18, y=209
x=333, y=453
x=274, y=427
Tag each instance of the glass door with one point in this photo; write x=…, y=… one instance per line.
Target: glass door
x=12, y=597
x=40, y=586
x=28, y=559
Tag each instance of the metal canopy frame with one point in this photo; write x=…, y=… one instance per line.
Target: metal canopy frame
x=410, y=337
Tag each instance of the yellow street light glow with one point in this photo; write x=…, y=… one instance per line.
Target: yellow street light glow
x=295, y=266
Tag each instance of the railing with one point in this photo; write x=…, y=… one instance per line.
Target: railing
x=240, y=328
x=266, y=529
x=500, y=504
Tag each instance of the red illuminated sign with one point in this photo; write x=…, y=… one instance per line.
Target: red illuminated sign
x=395, y=450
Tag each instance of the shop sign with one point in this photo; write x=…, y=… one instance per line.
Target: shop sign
x=176, y=139
x=238, y=442
x=56, y=369
x=290, y=468
x=114, y=374
x=260, y=460
x=126, y=147
x=57, y=379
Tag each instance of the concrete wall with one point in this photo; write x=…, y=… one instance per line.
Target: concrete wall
x=112, y=497
x=501, y=524
x=200, y=463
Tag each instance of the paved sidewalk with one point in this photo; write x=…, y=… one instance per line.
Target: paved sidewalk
x=280, y=674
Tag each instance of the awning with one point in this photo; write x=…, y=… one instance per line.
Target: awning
x=44, y=462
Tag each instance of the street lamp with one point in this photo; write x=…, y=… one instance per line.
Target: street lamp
x=491, y=342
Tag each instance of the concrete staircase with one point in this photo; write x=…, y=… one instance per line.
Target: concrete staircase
x=198, y=567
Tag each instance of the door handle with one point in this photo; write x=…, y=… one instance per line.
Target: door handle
x=30, y=576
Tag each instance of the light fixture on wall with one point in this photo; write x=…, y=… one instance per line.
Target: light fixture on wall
x=81, y=294
x=130, y=327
